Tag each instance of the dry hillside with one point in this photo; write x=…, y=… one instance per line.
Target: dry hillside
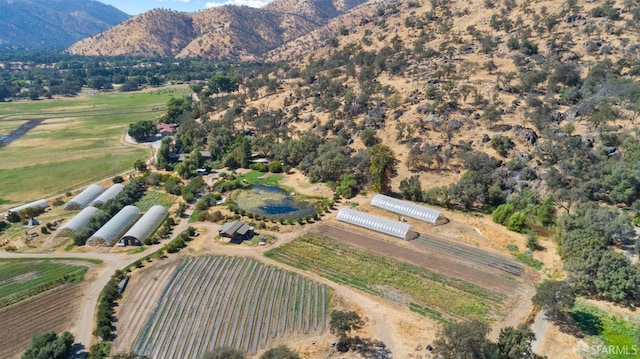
x=236, y=32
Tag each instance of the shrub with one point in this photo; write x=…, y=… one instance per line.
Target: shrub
x=502, y=213
x=516, y=222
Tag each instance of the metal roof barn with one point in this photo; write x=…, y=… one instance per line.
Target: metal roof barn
x=110, y=193
x=41, y=203
x=145, y=226
x=78, y=222
x=84, y=198
x=405, y=208
x=115, y=227
x=379, y=224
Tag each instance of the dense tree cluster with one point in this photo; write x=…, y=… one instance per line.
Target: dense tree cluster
x=50, y=346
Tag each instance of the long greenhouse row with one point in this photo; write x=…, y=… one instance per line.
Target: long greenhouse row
x=230, y=301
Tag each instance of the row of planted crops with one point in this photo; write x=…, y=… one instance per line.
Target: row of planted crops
x=230, y=301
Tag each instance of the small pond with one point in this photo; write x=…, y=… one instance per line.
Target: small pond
x=273, y=202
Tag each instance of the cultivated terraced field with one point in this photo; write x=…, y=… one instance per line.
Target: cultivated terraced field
x=429, y=293
x=228, y=301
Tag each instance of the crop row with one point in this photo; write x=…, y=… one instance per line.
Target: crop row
x=230, y=301
x=22, y=279
x=373, y=273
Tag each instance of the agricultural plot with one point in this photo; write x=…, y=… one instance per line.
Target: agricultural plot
x=424, y=291
x=230, y=301
x=21, y=279
x=152, y=198
x=54, y=310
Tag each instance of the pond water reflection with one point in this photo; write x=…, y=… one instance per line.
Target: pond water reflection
x=273, y=202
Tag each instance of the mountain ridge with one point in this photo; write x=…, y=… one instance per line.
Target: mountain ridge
x=235, y=32
x=55, y=23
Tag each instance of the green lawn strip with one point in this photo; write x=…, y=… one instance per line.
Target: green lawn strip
x=528, y=260
x=23, y=278
x=263, y=178
x=618, y=335
x=152, y=198
x=372, y=273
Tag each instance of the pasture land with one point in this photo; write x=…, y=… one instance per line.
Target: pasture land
x=54, y=310
x=24, y=278
x=77, y=142
x=219, y=301
x=426, y=292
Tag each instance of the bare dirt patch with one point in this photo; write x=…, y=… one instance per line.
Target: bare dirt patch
x=54, y=310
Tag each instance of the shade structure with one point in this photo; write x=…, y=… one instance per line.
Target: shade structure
x=379, y=224
x=78, y=222
x=39, y=204
x=84, y=198
x=110, y=193
x=405, y=208
x=145, y=226
x=117, y=225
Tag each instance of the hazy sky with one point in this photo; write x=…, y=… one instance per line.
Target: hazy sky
x=135, y=7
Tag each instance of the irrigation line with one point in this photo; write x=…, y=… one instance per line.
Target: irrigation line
x=199, y=300
x=292, y=313
x=278, y=304
x=271, y=299
x=324, y=308
x=239, y=310
x=255, y=284
x=255, y=317
x=172, y=282
x=307, y=312
x=301, y=305
x=221, y=304
x=201, y=326
x=176, y=315
x=315, y=306
x=246, y=316
x=285, y=308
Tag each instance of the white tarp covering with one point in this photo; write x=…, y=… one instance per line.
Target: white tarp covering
x=40, y=204
x=145, y=226
x=115, y=227
x=405, y=208
x=79, y=221
x=110, y=193
x=380, y=224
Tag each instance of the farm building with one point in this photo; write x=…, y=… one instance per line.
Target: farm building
x=39, y=204
x=379, y=224
x=144, y=227
x=78, y=222
x=166, y=129
x=405, y=208
x=117, y=225
x=236, y=230
x=84, y=198
x=110, y=193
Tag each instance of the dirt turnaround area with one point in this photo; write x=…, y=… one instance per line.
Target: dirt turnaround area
x=54, y=310
x=476, y=272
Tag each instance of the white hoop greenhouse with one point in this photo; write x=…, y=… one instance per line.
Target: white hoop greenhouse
x=405, y=208
x=117, y=225
x=78, y=222
x=379, y=224
x=84, y=198
x=145, y=226
x=110, y=193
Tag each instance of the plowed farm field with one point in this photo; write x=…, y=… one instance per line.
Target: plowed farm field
x=208, y=302
x=54, y=310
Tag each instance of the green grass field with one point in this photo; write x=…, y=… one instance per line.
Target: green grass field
x=425, y=292
x=21, y=279
x=263, y=178
x=152, y=198
x=78, y=142
x=609, y=336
